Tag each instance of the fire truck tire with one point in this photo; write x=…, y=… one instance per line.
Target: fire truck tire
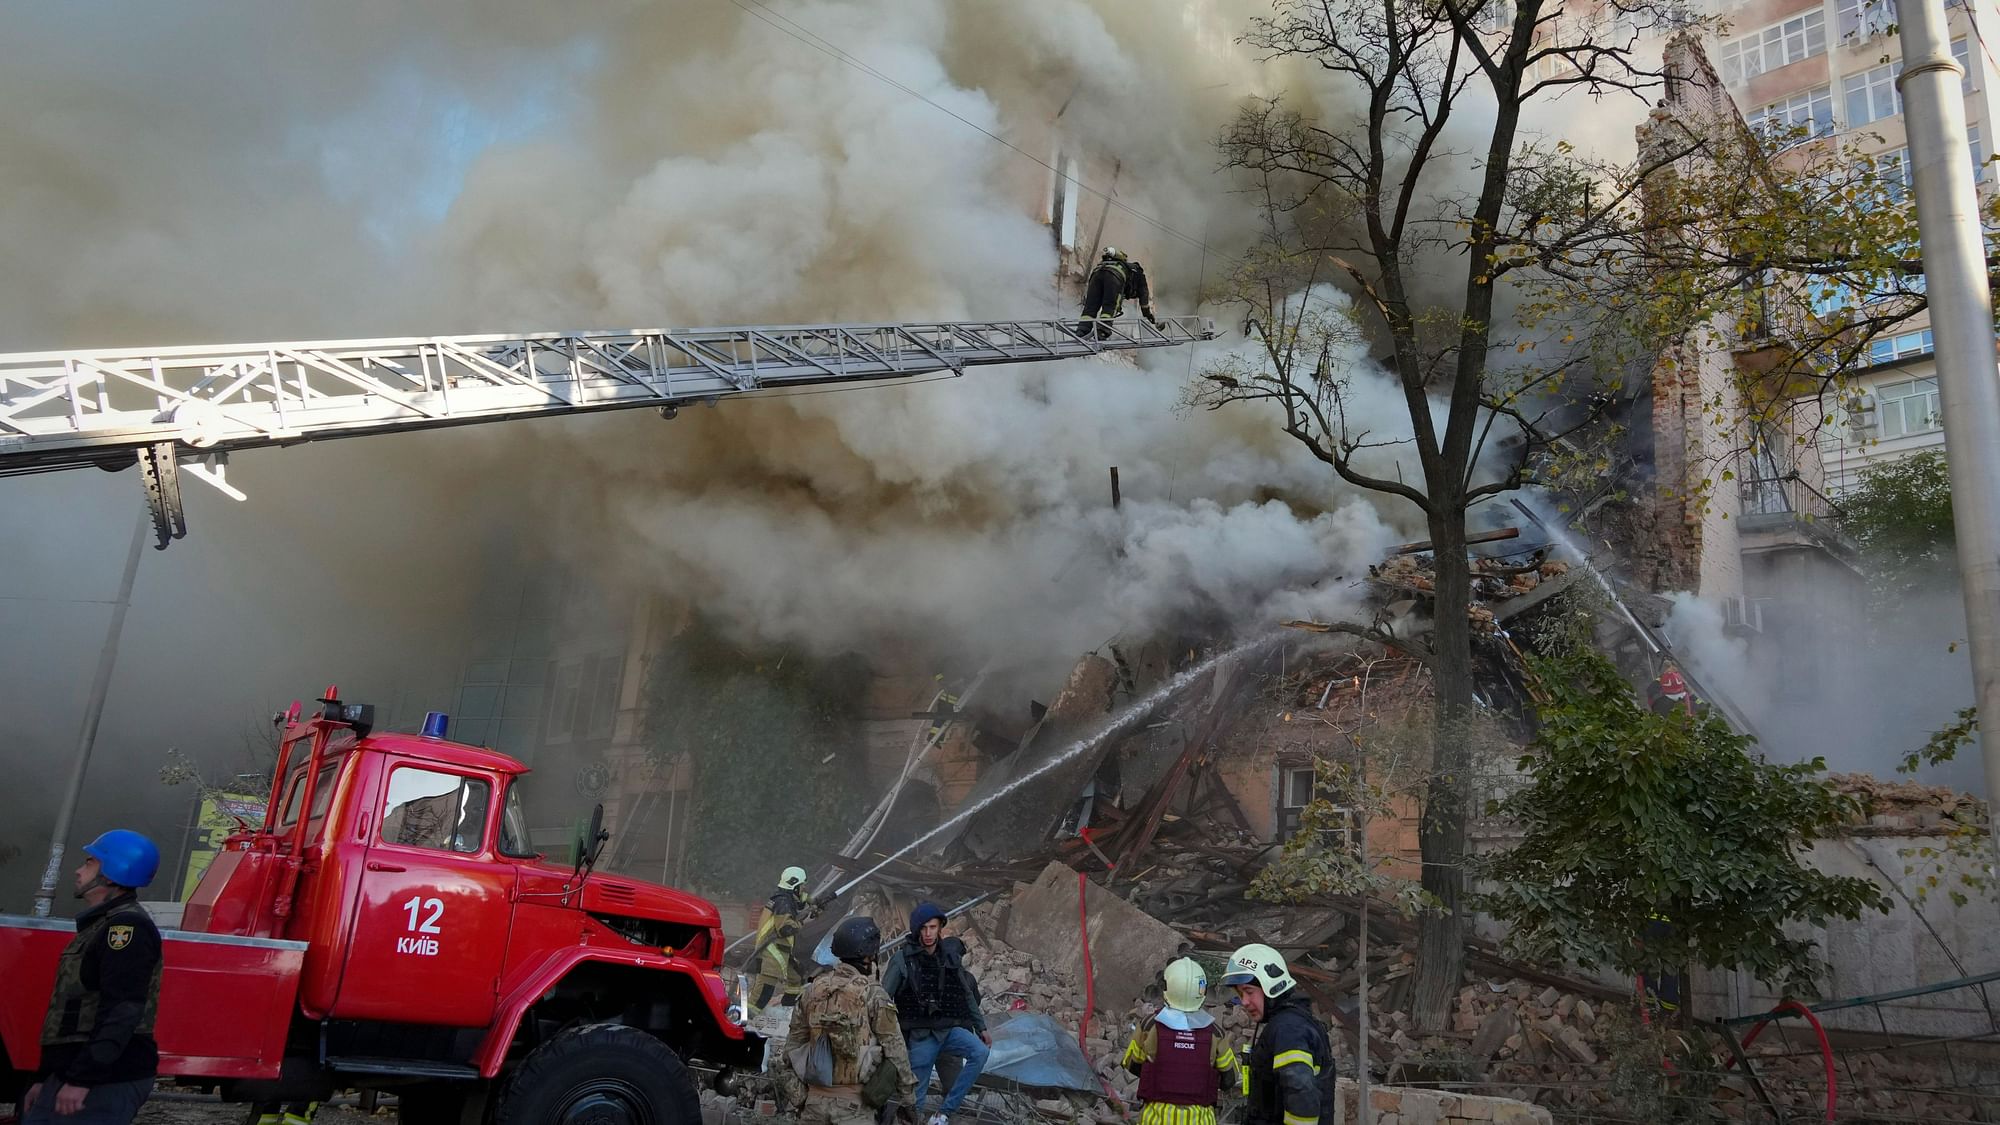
x=439, y=1103
x=601, y=1075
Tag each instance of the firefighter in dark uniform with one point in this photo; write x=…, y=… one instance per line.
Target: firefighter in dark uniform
x=1115, y=278
x=98, y=1055
x=1289, y=1077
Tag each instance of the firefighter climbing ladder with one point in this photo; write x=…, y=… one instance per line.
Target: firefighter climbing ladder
x=188, y=408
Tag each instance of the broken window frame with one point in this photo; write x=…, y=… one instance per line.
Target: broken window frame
x=1290, y=816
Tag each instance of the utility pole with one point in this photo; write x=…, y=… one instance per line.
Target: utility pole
x=86, y=738
x=1961, y=309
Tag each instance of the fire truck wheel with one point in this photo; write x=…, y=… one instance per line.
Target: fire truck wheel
x=601, y=1075
x=440, y=1102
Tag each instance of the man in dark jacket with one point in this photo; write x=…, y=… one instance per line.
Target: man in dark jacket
x=98, y=1055
x=1289, y=1078
x=937, y=1001
x=1115, y=278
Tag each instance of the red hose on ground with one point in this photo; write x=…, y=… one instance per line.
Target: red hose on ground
x=1090, y=989
x=1825, y=1046
x=1089, y=977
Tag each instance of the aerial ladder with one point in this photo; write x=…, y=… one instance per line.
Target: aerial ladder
x=186, y=409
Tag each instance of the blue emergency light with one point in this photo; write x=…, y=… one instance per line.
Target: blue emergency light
x=435, y=724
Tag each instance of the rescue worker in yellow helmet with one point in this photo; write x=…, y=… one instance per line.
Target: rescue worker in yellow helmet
x=778, y=974
x=1289, y=1077
x=1182, y=1061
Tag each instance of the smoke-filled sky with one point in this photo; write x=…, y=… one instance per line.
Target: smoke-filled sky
x=214, y=171
x=227, y=171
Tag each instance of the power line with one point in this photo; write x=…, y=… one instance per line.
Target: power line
x=804, y=35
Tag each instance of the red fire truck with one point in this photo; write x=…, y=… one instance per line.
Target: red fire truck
x=388, y=928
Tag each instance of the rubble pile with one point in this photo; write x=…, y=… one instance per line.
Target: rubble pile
x=1901, y=1086
x=1494, y=579
x=1175, y=823
x=1909, y=807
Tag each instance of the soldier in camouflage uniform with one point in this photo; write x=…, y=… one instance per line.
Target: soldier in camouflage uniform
x=844, y=1031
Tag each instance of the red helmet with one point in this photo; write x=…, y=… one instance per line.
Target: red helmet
x=1671, y=682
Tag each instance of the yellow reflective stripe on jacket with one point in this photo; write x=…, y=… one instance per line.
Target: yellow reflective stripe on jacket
x=1295, y=1119
x=1287, y=1058
x=1225, y=1059
x=1244, y=1074
x=1133, y=1053
x=1161, y=1113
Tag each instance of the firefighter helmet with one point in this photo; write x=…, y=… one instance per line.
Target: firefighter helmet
x=1262, y=966
x=1187, y=985
x=857, y=939
x=792, y=879
x=125, y=857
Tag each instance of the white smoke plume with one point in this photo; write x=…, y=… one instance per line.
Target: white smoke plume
x=225, y=171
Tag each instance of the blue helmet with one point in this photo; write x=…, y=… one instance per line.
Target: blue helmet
x=125, y=857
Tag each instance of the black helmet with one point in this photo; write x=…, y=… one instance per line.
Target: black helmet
x=857, y=939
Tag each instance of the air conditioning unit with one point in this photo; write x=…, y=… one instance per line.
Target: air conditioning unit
x=1742, y=617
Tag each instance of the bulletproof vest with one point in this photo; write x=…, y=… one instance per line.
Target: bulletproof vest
x=1289, y=1027
x=932, y=993
x=73, y=1009
x=836, y=1015
x=1182, y=1069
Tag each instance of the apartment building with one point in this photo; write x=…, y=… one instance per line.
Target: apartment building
x=1830, y=68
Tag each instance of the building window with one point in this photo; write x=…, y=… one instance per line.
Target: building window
x=1794, y=40
x=1963, y=53
x=1893, y=169
x=1810, y=110
x=1908, y=407
x=1889, y=349
x=1298, y=788
x=1872, y=95
x=1062, y=211
x=583, y=701
x=1898, y=173
x=1865, y=19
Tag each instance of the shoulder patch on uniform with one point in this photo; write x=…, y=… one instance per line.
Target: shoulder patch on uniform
x=118, y=937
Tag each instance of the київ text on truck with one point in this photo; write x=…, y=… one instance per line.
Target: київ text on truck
x=388, y=927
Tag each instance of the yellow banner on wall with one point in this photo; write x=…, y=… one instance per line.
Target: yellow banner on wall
x=219, y=815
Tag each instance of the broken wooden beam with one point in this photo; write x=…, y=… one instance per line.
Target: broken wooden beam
x=1482, y=537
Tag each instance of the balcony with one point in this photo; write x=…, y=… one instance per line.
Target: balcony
x=1787, y=513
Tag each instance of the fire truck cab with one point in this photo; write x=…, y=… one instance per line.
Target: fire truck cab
x=388, y=927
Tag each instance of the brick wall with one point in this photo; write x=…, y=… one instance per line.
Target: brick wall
x=1398, y=1105
x=1265, y=743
